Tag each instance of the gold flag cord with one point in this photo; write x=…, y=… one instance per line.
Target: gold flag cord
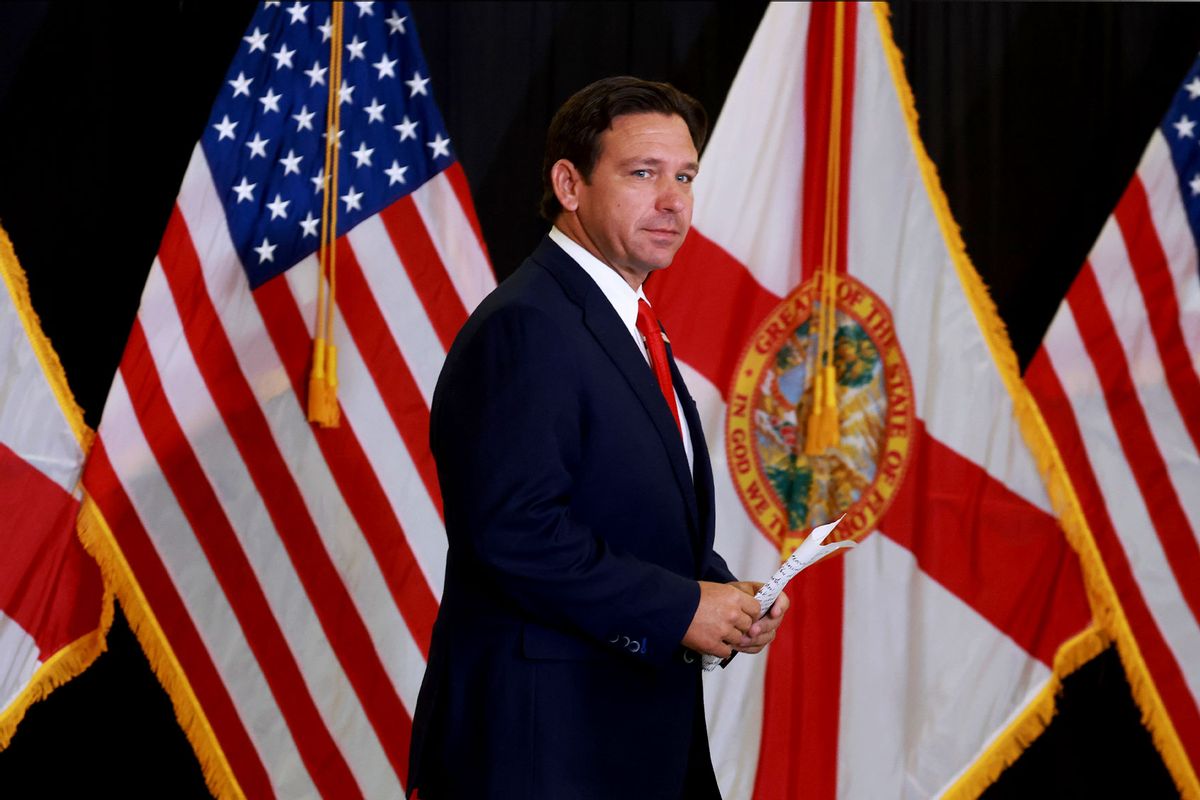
x=322, y=380
x=822, y=431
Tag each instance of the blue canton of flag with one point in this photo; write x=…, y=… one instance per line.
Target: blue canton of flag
x=1179, y=129
x=265, y=141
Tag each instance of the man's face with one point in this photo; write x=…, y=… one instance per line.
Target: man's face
x=637, y=207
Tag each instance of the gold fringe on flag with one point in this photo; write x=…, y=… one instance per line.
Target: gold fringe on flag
x=322, y=380
x=99, y=541
x=1107, y=610
x=61, y=667
x=1021, y=732
x=77, y=656
x=824, y=430
x=18, y=289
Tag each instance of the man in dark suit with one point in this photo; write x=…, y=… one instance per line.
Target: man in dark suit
x=581, y=582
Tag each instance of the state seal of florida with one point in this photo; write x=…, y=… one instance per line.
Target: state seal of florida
x=785, y=490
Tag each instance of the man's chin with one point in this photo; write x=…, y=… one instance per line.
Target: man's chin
x=654, y=266
x=660, y=257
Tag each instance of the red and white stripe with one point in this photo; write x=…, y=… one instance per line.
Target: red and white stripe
x=294, y=571
x=50, y=589
x=903, y=660
x=1118, y=380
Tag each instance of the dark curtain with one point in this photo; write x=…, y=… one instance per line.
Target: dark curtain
x=1036, y=115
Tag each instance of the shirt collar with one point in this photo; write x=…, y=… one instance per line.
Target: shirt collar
x=620, y=294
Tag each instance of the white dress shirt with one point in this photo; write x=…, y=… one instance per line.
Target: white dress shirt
x=624, y=301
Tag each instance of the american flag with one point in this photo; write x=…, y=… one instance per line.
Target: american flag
x=1118, y=381
x=284, y=578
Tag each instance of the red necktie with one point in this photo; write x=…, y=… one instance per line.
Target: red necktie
x=647, y=325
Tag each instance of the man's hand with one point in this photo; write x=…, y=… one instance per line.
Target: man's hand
x=724, y=617
x=762, y=632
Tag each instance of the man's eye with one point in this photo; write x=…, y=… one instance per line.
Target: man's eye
x=685, y=178
x=641, y=173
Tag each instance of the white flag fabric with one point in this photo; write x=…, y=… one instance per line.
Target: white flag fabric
x=54, y=612
x=1118, y=381
x=923, y=660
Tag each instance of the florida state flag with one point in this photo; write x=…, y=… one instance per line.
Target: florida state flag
x=846, y=358
x=54, y=611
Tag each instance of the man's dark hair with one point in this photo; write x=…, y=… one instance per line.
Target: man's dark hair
x=576, y=129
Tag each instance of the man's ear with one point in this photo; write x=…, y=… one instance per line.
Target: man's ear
x=566, y=181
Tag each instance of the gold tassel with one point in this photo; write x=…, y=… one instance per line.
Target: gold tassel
x=823, y=429
x=830, y=428
x=322, y=379
x=814, y=439
x=322, y=386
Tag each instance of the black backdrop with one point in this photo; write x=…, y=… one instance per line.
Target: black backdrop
x=1036, y=115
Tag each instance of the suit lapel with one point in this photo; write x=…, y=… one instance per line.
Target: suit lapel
x=602, y=321
x=702, y=465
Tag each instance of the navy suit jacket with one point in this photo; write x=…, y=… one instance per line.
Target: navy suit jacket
x=576, y=535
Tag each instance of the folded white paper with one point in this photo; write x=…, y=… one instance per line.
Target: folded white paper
x=810, y=551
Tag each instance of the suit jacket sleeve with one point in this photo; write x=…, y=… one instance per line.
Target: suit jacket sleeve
x=507, y=428
x=718, y=571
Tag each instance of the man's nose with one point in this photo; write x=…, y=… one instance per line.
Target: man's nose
x=672, y=195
